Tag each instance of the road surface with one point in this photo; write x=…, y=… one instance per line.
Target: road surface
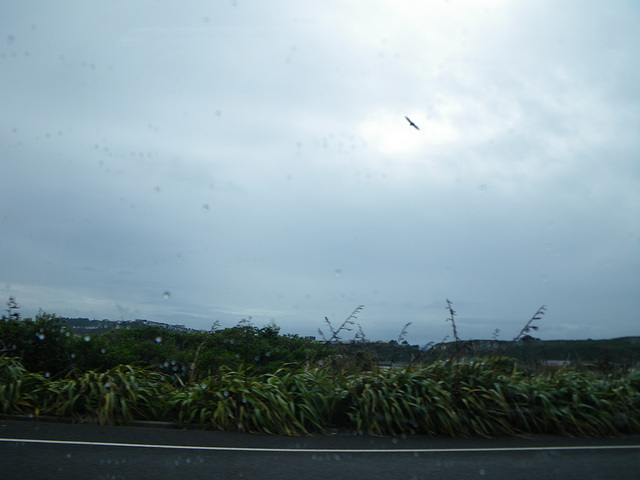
x=31, y=450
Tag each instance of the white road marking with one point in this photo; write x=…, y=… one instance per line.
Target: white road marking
x=323, y=450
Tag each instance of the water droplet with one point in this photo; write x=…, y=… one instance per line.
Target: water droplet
x=41, y=336
x=338, y=273
x=158, y=339
x=205, y=207
x=166, y=295
x=10, y=39
x=482, y=188
x=482, y=471
x=157, y=189
x=545, y=278
x=86, y=338
x=103, y=351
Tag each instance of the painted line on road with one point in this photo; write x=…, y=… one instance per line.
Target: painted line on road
x=322, y=450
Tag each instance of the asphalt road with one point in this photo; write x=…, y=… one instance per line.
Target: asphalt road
x=31, y=450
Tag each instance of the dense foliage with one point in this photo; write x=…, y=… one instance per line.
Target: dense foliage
x=47, y=344
x=486, y=398
x=255, y=380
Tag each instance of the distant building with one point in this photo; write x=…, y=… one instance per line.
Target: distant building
x=556, y=363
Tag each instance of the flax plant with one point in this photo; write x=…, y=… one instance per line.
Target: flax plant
x=480, y=397
x=20, y=391
x=118, y=396
x=233, y=401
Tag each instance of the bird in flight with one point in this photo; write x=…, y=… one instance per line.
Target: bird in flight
x=411, y=123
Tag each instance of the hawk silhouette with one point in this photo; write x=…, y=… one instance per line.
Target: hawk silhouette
x=411, y=123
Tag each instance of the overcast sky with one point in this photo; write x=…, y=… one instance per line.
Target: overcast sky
x=187, y=162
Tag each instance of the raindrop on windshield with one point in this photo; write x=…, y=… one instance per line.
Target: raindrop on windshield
x=166, y=295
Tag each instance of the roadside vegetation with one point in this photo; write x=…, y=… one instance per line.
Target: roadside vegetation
x=255, y=380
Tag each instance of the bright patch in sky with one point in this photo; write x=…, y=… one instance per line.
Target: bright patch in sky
x=390, y=133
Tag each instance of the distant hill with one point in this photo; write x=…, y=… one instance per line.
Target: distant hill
x=624, y=350
x=83, y=326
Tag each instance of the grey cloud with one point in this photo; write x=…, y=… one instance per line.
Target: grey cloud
x=239, y=157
